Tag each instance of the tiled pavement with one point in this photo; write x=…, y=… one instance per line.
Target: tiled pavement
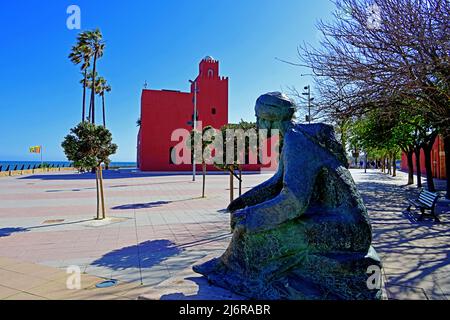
x=415, y=255
x=29, y=281
x=46, y=225
x=48, y=220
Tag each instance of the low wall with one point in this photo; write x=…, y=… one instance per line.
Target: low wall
x=33, y=171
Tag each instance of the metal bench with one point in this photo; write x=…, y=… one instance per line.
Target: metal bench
x=426, y=201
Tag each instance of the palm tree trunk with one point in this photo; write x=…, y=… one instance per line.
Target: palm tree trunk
x=93, y=89
x=204, y=177
x=90, y=112
x=103, y=107
x=102, y=194
x=83, y=116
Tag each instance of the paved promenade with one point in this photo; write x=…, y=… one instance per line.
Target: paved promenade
x=158, y=227
x=415, y=255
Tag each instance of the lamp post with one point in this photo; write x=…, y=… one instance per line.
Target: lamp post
x=194, y=125
x=308, y=93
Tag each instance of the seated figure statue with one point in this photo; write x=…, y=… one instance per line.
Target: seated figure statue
x=305, y=232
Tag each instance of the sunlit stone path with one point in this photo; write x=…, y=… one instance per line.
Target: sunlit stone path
x=158, y=227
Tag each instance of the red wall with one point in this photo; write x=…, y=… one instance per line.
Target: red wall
x=437, y=160
x=163, y=111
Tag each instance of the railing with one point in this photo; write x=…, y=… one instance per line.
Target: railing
x=22, y=167
x=30, y=168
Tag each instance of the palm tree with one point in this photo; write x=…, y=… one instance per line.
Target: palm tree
x=88, y=82
x=82, y=53
x=94, y=40
x=101, y=87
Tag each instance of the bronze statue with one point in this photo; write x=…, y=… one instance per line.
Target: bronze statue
x=305, y=232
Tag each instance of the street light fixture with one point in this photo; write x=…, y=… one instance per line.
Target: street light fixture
x=308, y=93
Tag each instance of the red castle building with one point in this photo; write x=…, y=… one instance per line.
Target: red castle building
x=163, y=111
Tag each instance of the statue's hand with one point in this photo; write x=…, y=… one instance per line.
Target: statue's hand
x=236, y=204
x=243, y=220
x=238, y=219
x=267, y=215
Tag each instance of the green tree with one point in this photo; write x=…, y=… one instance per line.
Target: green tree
x=204, y=145
x=88, y=146
x=377, y=59
x=374, y=133
x=236, y=165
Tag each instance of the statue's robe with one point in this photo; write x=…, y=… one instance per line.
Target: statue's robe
x=304, y=233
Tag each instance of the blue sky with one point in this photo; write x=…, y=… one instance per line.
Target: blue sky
x=160, y=42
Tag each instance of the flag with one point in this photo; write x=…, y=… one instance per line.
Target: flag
x=35, y=149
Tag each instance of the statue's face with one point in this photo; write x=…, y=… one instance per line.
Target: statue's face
x=271, y=124
x=274, y=110
x=263, y=123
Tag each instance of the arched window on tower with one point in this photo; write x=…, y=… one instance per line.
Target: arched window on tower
x=210, y=73
x=213, y=110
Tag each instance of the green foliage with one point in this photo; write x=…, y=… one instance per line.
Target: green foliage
x=92, y=42
x=245, y=126
x=81, y=52
x=380, y=133
x=101, y=85
x=88, y=145
x=197, y=136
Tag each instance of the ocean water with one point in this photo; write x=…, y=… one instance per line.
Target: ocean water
x=26, y=164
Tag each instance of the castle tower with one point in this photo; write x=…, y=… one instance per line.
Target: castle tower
x=209, y=68
x=163, y=111
x=212, y=94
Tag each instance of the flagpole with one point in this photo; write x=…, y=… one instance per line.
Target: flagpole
x=42, y=162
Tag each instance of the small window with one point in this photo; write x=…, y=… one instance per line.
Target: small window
x=210, y=73
x=213, y=110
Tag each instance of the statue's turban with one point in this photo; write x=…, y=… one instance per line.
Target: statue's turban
x=274, y=106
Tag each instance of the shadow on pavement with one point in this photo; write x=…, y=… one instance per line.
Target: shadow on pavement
x=141, y=205
x=6, y=232
x=205, y=292
x=144, y=255
x=414, y=252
